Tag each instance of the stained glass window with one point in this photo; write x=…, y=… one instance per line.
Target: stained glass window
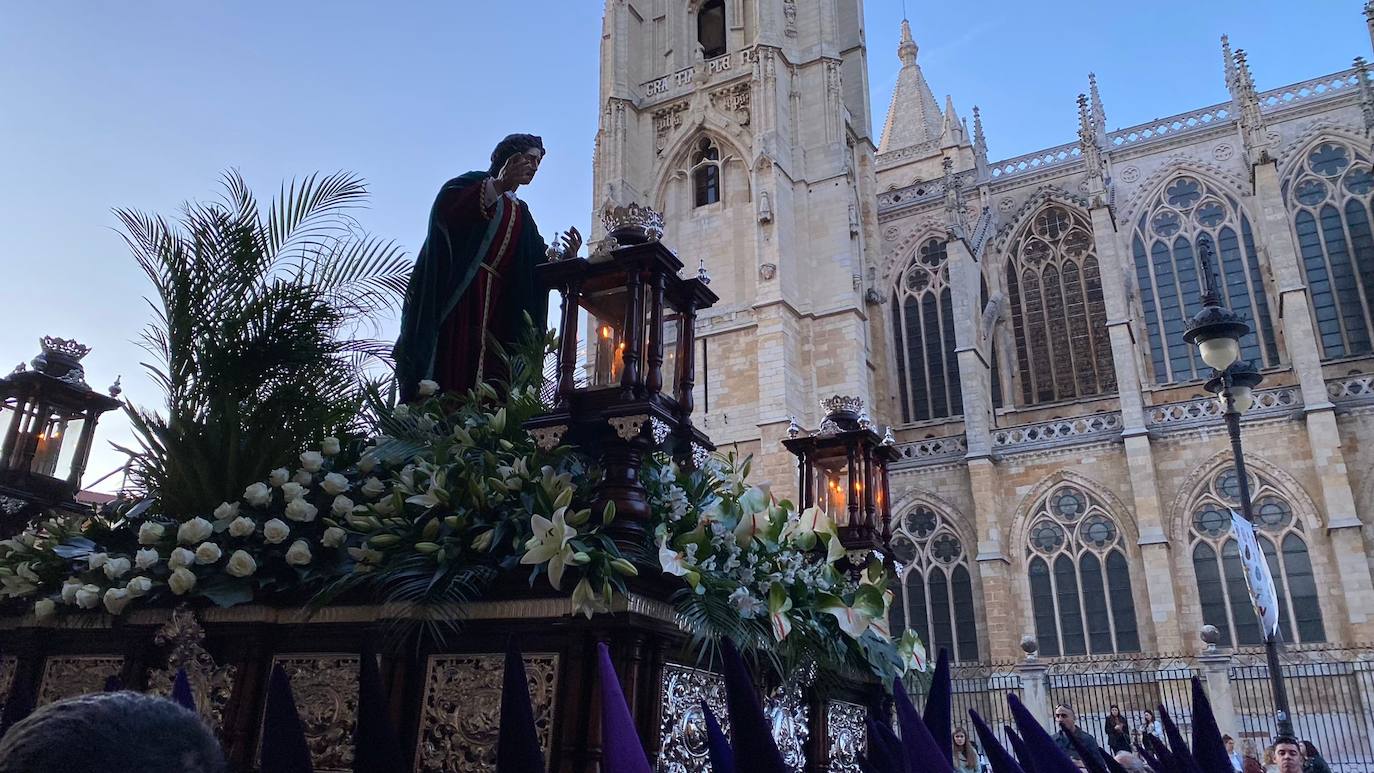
x=1080, y=580
x=923, y=327
x=1221, y=580
x=1329, y=195
x=935, y=592
x=1165, y=247
x=1059, y=320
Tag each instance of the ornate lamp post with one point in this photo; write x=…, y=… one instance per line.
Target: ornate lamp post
x=48, y=435
x=842, y=469
x=635, y=354
x=1216, y=331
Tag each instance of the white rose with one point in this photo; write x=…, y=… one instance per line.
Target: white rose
x=341, y=506
x=117, y=567
x=299, y=553
x=312, y=460
x=367, y=462
x=334, y=483
x=69, y=589
x=258, y=495
x=116, y=599
x=402, y=411
x=149, y=533
x=139, y=586
x=44, y=608
x=385, y=506
x=279, y=477
x=181, y=557
x=226, y=510
x=301, y=510
x=428, y=387
x=88, y=596
x=303, y=477
x=333, y=537
x=208, y=553
x=97, y=560
x=195, y=530
x=292, y=491
x=145, y=558
x=373, y=488
x=242, y=527
x=276, y=531
x=241, y=564
x=329, y=446
x=181, y=581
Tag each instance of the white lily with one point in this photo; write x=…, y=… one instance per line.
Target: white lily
x=671, y=560
x=587, y=601
x=550, y=543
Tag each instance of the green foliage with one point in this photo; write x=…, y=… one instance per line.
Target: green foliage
x=254, y=337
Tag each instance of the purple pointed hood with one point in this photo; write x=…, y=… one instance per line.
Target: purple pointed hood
x=1183, y=756
x=621, y=750
x=751, y=735
x=939, y=710
x=284, y=748
x=1208, y=748
x=1049, y=758
x=181, y=691
x=921, y=747
x=885, y=752
x=717, y=745
x=1018, y=746
x=375, y=745
x=998, y=757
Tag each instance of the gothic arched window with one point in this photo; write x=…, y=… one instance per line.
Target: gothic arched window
x=1217, y=564
x=934, y=592
x=1058, y=316
x=923, y=327
x=706, y=173
x=1165, y=246
x=1080, y=578
x=711, y=28
x=1329, y=196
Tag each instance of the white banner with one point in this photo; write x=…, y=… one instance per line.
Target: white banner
x=1257, y=576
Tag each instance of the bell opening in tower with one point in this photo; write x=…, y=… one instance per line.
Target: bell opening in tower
x=711, y=28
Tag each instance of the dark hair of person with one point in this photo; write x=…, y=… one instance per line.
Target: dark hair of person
x=969, y=752
x=1287, y=739
x=1226, y=738
x=114, y=731
x=510, y=146
x=1310, y=750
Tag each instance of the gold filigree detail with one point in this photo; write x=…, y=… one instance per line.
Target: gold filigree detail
x=326, y=690
x=461, y=712
x=682, y=729
x=211, y=684
x=68, y=677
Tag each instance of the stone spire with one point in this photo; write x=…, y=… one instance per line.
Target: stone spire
x=913, y=118
x=954, y=199
x=1099, y=114
x=1228, y=64
x=952, y=134
x=1369, y=19
x=1252, y=129
x=1092, y=154
x=1366, y=94
x=980, y=142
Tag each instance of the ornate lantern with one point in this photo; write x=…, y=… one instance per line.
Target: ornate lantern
x=52, y=421
x=625, y=360
x=842, y=470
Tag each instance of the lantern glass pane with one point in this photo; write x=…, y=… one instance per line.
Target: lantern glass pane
x=46, y=442
x=832, y=485
x=71, y=439
x=601, y=341
x=672, y=324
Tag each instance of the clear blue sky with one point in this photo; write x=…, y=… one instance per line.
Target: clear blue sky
x=142, y=104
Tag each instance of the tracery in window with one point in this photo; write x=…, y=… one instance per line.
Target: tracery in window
x=1217, y=564
x=923, y=327
x=1059, y=320
x=1080, y=578
x=934, y=592
x=1329, y=195
x=1165, y=248
x=706, y=173
x=711, y=28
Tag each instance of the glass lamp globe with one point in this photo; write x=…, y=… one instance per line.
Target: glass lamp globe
x=1219, y=353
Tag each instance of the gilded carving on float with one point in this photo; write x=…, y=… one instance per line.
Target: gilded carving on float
x=682, y=729
x=326, y=691
x=461, y=711
x=211, y=684
x=68, y=677
x=844, y=735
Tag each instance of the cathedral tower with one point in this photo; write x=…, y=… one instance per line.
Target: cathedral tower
x=747, y=123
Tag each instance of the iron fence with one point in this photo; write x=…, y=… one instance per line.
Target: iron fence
x=1134, y=684
x=982, y=688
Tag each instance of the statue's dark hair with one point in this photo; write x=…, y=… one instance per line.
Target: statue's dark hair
x=511, y=145
x=111, y=731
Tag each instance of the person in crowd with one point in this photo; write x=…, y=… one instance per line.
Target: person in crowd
x=1117, y=730
x=1130, y=762
x=1151, y=726
x=965, y=753
x=1253, y=765
x=113, y=731
x=1312, y=761
x=1237, y=762
x=1067, y=720
x=1287, y=754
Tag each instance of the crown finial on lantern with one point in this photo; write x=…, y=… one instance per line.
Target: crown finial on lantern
x=793, y=428
x=842, y=404
x=632, y=223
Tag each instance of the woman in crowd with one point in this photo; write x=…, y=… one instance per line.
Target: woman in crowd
x=1118, y=731
x=966, y=753
x=1312, y=761
x=1152, y=727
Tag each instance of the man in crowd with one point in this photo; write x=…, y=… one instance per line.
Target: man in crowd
x=1237, y=762
x=1067, y=720
x=1288, y=754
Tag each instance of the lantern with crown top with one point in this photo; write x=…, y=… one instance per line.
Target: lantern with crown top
x=625, y=364
x=49, y=431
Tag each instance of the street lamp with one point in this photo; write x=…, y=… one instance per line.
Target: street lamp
x=1216, y=332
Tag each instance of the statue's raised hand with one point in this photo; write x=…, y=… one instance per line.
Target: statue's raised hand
x=569, y=243
x=519, y=170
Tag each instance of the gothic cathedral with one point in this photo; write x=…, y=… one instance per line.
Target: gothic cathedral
x=1065, y=482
